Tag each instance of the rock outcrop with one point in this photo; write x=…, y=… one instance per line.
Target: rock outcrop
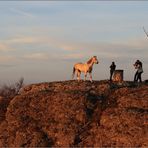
x=76, y=114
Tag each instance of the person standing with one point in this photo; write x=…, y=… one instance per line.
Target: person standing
x=138, y=66
x=112, y=69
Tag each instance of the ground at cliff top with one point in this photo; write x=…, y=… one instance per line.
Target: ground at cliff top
x=76, y=114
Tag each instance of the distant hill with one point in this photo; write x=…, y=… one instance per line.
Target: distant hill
x=76, y=114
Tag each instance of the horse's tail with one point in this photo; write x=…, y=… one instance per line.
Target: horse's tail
x=73, y=74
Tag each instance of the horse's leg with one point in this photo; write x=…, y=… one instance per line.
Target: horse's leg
x=73, y=74
x=90, y=76
x=85, y=74
x=78, y=75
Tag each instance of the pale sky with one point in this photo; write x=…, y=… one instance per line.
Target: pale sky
x=42, y=40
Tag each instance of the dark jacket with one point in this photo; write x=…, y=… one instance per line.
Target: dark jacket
x=112, y=67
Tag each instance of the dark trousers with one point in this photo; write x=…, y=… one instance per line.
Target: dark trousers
x=137, y=76
x=111, y=74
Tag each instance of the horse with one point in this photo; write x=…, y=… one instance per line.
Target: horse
x=85, y=68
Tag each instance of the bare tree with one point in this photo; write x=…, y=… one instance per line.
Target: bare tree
x=145, y=31
x=18, y=85
x=11, y=90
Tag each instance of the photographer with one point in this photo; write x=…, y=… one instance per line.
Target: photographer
x=138, y=66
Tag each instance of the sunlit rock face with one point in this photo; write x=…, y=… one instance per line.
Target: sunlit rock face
x=76, y=114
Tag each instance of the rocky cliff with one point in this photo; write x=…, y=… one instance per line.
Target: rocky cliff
x=76, y=114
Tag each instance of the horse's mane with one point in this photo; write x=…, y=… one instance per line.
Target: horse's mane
x=89, y=61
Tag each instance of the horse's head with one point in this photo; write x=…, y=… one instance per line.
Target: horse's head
x=95, y=60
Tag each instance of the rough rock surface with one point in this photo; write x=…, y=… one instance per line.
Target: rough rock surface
x=71, y=113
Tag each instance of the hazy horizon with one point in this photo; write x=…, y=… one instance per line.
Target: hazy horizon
x=42, y=40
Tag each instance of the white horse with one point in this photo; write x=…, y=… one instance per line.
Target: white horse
x=85, y=68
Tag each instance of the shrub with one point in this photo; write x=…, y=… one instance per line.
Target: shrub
x=11, y=90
